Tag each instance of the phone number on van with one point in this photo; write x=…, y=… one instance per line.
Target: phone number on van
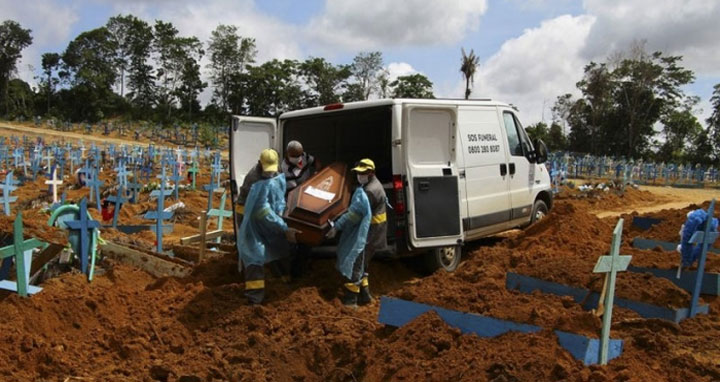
x=475, y=149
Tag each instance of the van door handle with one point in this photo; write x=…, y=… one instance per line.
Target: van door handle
x=461, y=174
x=424, y=186
x=512, y=168
x=503, y=169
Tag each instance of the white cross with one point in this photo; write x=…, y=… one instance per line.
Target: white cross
x=54, y=183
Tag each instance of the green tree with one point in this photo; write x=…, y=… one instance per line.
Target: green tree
x=384, y=83
x=365, y=69
x=141, y=79
x=468, y=67
x=412, y=86
x=556, y=140
x=713, y=124
x=20, y=99
x=13, y=39
x=177, y=59
x=272, y=88
x=119, y=28
x=50, y=63
x=324, y=79
x=538, y=131
x=89, y=67
x=354, y=92
x=621, y=104
x=191, y=85
x=647, y=87
x=229, y=54
x=680, y=128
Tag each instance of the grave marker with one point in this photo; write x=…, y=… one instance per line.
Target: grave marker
x=610, y=265
x=21, y=250
x=7, y=188
x=220, y=213
x=54, y=183
x=86, y=228
x=118, y=200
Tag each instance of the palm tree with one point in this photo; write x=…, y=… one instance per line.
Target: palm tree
x=469, y=64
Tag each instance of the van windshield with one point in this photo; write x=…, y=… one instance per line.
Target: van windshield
x=346, y=136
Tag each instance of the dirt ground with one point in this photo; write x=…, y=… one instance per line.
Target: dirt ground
x=130, y=326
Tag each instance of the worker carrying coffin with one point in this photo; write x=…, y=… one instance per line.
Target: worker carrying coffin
x=263, y=235
x=363, y=228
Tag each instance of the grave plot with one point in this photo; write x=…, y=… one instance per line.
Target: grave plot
x=564, y=251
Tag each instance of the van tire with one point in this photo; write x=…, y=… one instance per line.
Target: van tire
x=539, y=211
x=445, y=258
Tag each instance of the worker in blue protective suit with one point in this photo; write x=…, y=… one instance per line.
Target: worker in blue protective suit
x=696, y=221
x=353, y=226
x=263, y=235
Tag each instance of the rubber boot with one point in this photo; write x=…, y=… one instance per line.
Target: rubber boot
x=365, y=297
x=350, y=297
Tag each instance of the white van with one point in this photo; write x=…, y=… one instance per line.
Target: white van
x=453, y=170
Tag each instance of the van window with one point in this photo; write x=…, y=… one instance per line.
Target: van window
x=512, y=134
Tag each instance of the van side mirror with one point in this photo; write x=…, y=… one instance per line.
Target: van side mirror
x=541, y=151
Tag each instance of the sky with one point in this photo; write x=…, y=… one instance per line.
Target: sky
x=530, y=51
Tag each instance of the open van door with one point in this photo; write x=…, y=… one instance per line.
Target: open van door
x=248, y=137
x=429, y=135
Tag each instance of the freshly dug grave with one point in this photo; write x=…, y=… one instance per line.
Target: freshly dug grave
x=661, y=259
x=564, y=248
x=668, y=229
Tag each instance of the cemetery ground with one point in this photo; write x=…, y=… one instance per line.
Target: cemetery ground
x=131, y=325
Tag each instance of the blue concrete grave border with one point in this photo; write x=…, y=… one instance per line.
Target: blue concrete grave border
x=589, y=300
x=398, y=312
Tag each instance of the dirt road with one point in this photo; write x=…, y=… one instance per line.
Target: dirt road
x=8, y=129
x=676, y=198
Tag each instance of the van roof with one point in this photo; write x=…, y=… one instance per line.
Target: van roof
x=392, y=101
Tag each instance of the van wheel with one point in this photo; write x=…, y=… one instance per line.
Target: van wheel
x=446, y=258
x=540, y=210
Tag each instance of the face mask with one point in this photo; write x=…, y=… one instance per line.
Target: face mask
x=362, y=179
x=294, y=160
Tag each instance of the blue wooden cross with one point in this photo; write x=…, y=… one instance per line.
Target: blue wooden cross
x=610, y=265
x=86, y=228
x=35, y=167
x=122, y=174
x=704, y=238
x=48, y=158
x=17, y=155
x=211, y=189
x=94, y=182
x=21, y=250
x=176, y=177
x=134, y=188
x=118, y=200
x=146, y=170
x=217, y=168
x=160, y=214
x=220, y=213
x=60, y=162
x=8, y=187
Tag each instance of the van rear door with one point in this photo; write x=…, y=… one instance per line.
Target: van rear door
x=248, y=137
x=429, y=135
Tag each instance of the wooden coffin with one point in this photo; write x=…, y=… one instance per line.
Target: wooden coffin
x=321, y=198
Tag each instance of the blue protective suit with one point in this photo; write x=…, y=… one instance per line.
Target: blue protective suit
x=353, y=226
x=262, y=232
x=695, y=222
